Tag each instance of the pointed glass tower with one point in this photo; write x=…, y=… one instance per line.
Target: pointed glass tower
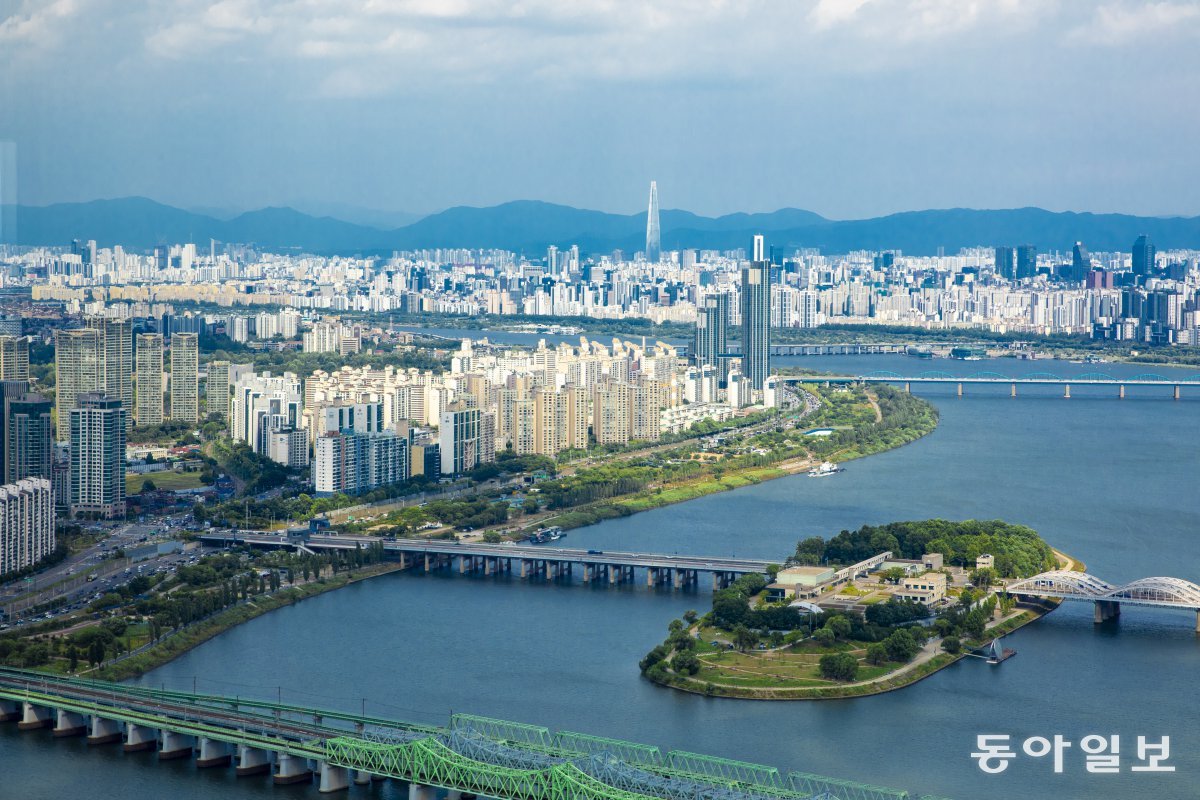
x=653, y=238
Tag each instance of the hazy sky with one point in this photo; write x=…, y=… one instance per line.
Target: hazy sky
x=847, y=107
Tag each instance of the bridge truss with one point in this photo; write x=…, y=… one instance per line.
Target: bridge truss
x=1069, y=585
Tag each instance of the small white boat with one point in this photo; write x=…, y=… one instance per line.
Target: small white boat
x=824, y=470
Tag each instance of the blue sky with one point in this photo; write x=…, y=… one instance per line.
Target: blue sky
x=849, y=108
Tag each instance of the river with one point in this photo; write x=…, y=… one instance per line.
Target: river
x=1110, y=482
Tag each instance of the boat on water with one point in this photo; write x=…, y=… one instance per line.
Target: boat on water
x=996, y=654
x=825, y=469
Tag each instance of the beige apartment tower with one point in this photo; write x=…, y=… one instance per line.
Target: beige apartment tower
x=77, y=364
x=14, y=358
x=149, y=404
x=185, y=377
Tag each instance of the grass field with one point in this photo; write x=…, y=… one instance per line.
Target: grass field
x=162, y=480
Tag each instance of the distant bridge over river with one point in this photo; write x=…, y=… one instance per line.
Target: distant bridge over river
x=995, y=378
x=527, y=561
x=1108, y=598
x=471, y=757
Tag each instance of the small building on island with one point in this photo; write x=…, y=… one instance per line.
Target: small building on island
x=799, y=583
x=985, y=561
x=927, y=589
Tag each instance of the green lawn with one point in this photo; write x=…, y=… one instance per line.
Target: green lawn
x=162, y=480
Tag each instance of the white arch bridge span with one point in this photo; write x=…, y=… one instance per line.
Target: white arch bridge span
x=1108, y=599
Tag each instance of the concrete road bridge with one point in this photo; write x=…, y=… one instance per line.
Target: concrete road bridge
x=527, y=561
x=995, y=378
x=1108, y=598
x=470, y=757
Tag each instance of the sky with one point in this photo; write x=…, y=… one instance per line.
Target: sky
x=850, y=108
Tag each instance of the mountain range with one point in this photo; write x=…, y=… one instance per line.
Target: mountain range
x=530, y=226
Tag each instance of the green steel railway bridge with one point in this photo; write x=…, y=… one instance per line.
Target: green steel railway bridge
x=470, y=757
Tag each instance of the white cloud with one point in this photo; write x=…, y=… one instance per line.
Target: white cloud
x=1120, y=23
x=828, y=13
x=37, y=24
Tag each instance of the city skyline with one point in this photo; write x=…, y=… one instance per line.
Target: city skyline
x=899, y=104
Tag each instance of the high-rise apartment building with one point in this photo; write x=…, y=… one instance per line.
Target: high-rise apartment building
x=28, y=438
x=115, y=366
x=77, y=363
x=653, y=232
x=756, y=319
x=26, y=523
x=263, y=404
x=216, y=389
x=148, y=407
x=458, y=439
x=185, y=377
x=352, y=463
x=1081, y=262
x=97, y=431
x=14, y=358
x=712, y=335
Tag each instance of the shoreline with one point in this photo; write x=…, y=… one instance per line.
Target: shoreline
x=177, y=644
x=166, y=650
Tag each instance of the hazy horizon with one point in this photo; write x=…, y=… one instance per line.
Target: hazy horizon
x=849, y=108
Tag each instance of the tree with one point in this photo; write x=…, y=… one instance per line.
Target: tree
x=839, y=625
x=690, y=616
x=743, y=638
x=686, y=663
x=893, y=574
x=773, y=572
x=901, y=646
x=876, y=654
x=951, y=644
x=675, y=626
x=983, y=578
x=148, y=485
x=810, y=552
x=839, y=667
x=824, y=636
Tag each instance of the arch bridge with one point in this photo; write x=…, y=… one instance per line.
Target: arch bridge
x=1158, y=592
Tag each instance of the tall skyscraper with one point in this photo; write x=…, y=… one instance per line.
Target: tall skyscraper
x=9, y=390
x=1081, y=262
x=77, y=364
x=28, y=438
x=14, y=358
x=216, y=389
x=1143, y=256
x=1006, y=263
x=27, y=532
x=712, y=330
x=1026, y=261
x=756, y=318
x=97, y=426
x=149, y=406
x=185, y=377
x=653, y=234
x=115, y=367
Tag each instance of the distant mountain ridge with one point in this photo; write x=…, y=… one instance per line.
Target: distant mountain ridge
x=530, y=226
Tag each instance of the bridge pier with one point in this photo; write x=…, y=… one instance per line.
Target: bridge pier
x=213, y=754
x=1067, y=391
x=140, y=737
x=1012, y=392
x=1177, y=391
x=960, y=390
x=333, y=779
x=417, y=791
x=34, y=717
x=907, y=388
x=362, y=778
x=1121, y=392
x=1106, y=610
x=104, y=731
x=291, y=769
x=175, y=745
x=69, y=724
x=252, y=761
x=9, y=711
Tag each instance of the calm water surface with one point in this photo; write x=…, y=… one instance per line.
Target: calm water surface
x=1111, y=482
